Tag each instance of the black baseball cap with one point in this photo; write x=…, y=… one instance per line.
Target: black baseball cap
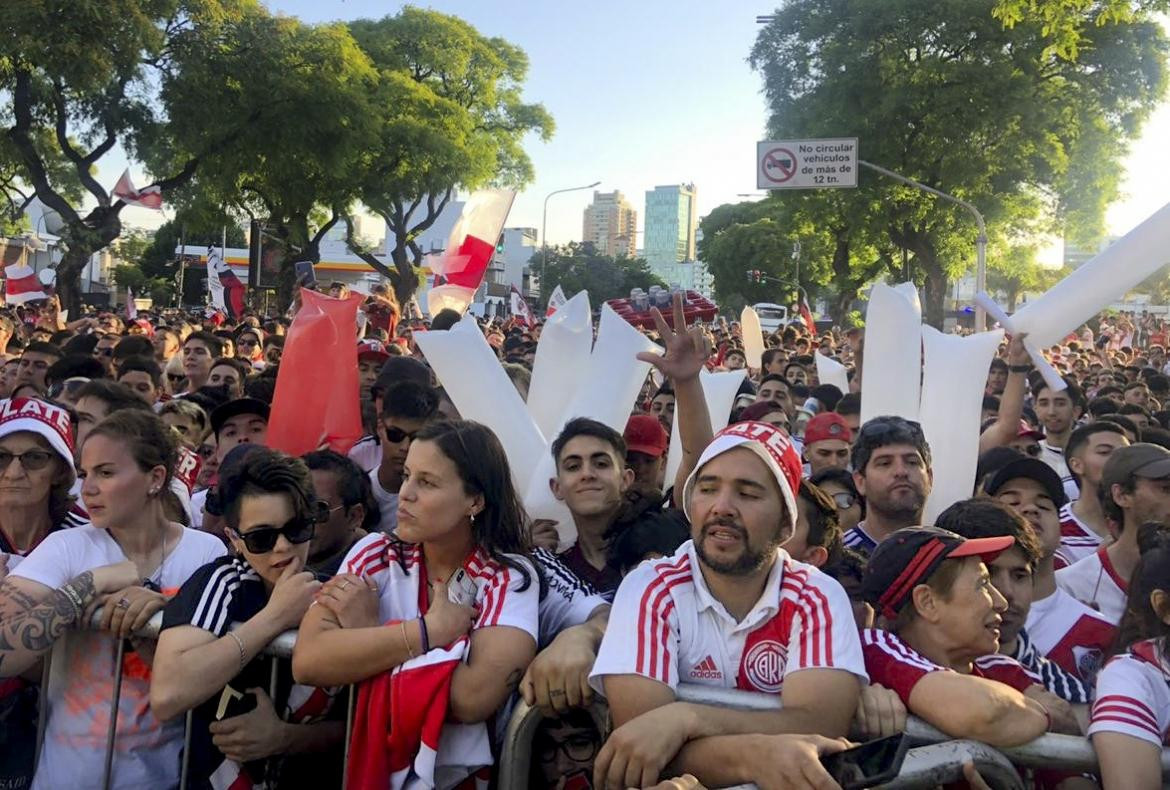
x=1137, y=460
x=910, y=556
x=401, y=368
x=1032, y=469
x=234, y=408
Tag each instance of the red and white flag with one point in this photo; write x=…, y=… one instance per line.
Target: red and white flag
x=223, y=286
x=556, y=301
x=469, y=249
x=21, y=284
x=147, y=197
x=807, y=317
x=521, y=309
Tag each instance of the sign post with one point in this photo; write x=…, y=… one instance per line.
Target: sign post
x=806, y=164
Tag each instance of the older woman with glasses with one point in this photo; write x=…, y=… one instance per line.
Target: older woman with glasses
x=205, y=664
x=124, y=562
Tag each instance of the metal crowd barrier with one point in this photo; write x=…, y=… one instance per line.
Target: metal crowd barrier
x=939, y=761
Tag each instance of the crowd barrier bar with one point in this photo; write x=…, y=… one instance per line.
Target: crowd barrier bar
x=1064, y=752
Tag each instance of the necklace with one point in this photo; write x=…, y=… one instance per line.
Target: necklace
x=154, y=581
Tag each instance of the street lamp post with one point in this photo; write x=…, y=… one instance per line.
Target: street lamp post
x=544, y=227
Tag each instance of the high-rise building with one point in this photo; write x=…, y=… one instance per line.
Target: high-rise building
x=611, y=224
x=671, y=221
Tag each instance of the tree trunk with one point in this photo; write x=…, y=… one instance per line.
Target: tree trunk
x=406, y=283
x=935, y=291
x=69, y=278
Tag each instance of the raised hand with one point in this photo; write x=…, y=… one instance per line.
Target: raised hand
x=686, y=350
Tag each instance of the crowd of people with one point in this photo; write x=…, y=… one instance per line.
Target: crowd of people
x=787, y=556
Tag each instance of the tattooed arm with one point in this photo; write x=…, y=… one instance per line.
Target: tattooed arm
x=498, y=657
x=33, y=616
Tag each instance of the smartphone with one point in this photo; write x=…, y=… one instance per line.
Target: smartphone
x=306, y=274
x=462, y=589
x=870, y=764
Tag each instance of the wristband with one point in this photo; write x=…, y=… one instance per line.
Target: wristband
x=424, y=637
x=1019, y=368
x=240, y=645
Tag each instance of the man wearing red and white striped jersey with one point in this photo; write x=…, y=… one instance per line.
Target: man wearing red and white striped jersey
x=729, y=609
x=1082, y=523
x=1133, y=696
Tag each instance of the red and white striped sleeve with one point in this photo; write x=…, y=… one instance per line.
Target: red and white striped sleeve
x=508, y=597
x=1006, y=670
x=642, y=637
x=891, y=663
x=1132, y=699
x=370, y=558
x=823, y=633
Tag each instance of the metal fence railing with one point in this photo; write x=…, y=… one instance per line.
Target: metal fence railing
x=939, y=761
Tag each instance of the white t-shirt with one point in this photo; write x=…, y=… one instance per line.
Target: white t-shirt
x=146, y=751
x=367, y=453
x=1077, y=539
x=568, y=601
x=198, y=502
x=387, y=504
x=499, y=598
x=1095, y=582
x=1133, y=695
x=1070, y=633
x=667, y=626
x=1054, y=457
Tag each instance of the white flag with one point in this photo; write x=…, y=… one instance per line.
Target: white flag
x=556, y=301
x=214, y=285
x=520, y=308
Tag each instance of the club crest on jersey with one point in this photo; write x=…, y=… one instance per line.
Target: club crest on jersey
x=763, y=666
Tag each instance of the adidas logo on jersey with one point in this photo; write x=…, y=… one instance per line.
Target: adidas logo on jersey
x=706, y=670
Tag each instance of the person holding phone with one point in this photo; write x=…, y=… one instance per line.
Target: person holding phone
x=393, y=603
x=204, y=664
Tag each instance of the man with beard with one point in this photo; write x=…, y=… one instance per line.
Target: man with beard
x=891, y=462
x=1135, y=490
x=729, y=609
x=1058, y=411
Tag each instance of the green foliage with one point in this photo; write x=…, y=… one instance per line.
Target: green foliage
x=577, y=267
x=942, y=92
x=1063, y=22
x=127, y=275
x=450, y=117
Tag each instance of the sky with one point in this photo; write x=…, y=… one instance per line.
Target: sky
x=648, y=93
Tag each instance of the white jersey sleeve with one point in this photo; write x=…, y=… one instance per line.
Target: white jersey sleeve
x=509, y=597
x=642, y=637
x=568, y=601
x=1133, y=699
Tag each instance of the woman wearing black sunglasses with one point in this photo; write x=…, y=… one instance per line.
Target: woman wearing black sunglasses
x=454, y=587
x=204, y=664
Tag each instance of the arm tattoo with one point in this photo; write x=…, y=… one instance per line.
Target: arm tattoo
x=36, y=627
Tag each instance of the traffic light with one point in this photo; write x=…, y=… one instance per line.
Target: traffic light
x=755, y=276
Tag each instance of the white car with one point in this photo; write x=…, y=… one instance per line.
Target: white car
x=772, y=316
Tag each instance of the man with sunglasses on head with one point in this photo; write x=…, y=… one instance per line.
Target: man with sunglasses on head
x=891, y=462
x=826, y=443
x=406, y=407
x=349, y=511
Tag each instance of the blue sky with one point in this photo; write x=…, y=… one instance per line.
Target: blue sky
x=649, y=92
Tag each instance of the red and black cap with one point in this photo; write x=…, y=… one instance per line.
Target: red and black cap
x=910, y=556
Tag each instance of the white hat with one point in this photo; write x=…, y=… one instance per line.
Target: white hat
x=773, y=447
x=50, y=422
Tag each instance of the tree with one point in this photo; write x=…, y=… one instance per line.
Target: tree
x=578, y=267
x=1063, y=22
x=940, y=91
x=451, y=117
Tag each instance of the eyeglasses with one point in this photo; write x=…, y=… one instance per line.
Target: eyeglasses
x=262, y=540
x=324, y=511
x=30, y=460
x=579, y=748
x=175, y=377
x=247, y=342
x=396, y=435
x=844, y=500
x=68, y=386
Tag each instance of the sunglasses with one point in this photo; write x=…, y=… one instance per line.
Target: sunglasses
x=175, y=377
x=880, y=426
x=844, y=500
x=30, y=460
x=1033, y=450
x=262, y=540
x=396, y=435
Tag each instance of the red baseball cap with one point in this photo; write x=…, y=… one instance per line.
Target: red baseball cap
x=827, y=425
x=645, y=434
x=1027, y=430
x=372, y=349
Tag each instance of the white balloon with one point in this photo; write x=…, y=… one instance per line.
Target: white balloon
x=561, y=364
x=753, y=337
x=891, y=374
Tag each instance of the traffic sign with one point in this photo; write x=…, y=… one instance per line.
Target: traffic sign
x=806, y=164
